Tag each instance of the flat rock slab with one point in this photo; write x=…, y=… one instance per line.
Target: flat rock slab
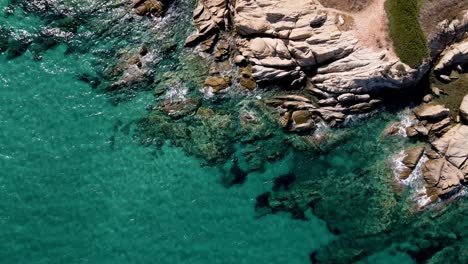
x=431, y=112
x=454, y=145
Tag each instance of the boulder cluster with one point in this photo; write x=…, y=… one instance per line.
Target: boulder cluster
x=445, y=166
x=302, y=44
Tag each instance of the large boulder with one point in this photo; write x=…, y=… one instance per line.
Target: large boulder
x=454, y=145
x=302, y=121
x=217, y=84
x=442, y=178
x=432, y=112
x=412, y=157
x=148, y=7
x=464, y=109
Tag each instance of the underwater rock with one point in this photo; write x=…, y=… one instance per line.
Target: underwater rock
x=283, y=181
x=180, y=107
x=235, y=176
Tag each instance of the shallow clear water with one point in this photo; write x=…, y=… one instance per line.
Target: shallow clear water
x=76, y=188
x=76, y=185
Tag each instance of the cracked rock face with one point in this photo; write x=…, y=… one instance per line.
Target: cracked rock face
x=287, y=38
x=445, y=175
x=453, y=56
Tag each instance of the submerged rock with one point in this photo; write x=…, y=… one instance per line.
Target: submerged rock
x=180, y=107
x=283, y=181
x=235, y=176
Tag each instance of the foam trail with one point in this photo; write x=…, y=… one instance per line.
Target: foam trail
x=415, y=180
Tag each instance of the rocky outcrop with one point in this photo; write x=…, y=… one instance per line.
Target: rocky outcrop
x=442, y=178
x=302, y=42
x=453, y=145
x=209, y=17
x=446, y=172
x=464, y=109
x=432, y=112
x=411, y=159
x=432, y=121
x=180, y=107
x=448, y=32
x=148, y=7
x=283, y=40
x=453, y=56
x=216, y=84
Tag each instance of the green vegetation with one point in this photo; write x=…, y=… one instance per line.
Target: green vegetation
x=405, y=31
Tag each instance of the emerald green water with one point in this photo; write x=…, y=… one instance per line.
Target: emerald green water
x=77, y=185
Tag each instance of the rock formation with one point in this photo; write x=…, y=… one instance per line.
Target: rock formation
x=444, y=176
x=453, y=56
x=432, y=121
x=464, y=109
x=148, y=7
x=301, y=42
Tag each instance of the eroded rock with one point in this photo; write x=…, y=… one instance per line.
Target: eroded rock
x=464, y=109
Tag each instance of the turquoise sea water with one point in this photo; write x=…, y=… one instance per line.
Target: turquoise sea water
x=77, y=185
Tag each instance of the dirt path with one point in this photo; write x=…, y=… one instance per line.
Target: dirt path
x=371, y=27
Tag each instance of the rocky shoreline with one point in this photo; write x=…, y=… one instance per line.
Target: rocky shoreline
x=312, y=48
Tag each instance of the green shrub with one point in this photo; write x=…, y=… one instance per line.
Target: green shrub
x=408, y=38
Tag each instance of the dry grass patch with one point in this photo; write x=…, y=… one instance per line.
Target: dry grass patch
x=347, y=5
x=433, y=12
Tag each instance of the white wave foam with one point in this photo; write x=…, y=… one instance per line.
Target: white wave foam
x=406, y=120
x=177, y=90
x=415, y=180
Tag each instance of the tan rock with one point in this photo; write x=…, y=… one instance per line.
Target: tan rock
x=412, y=157
x=149, y=7
x=454, y=145
x=431, y=112
x=427, y=98
x=217, y=83
x=453, y=55
x=302, y=121
x=441, y=177
x=392, y=129
x=464, y=110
